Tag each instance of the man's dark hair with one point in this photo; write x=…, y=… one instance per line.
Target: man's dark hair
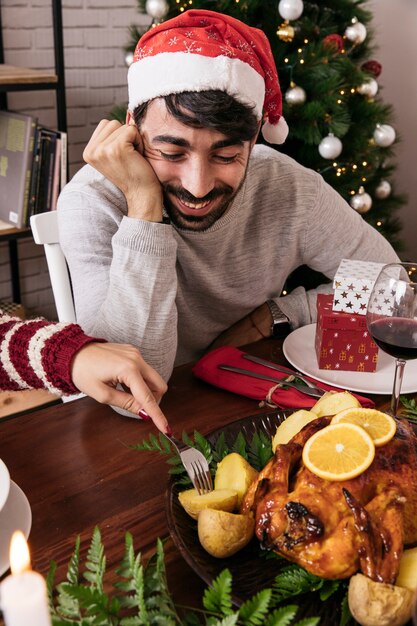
x=208, y=109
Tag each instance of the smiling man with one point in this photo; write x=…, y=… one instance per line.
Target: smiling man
x=180, y=232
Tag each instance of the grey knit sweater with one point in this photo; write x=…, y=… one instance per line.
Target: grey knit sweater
x=172, y=292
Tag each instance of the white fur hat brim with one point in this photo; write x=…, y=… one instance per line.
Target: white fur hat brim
x=175, y=72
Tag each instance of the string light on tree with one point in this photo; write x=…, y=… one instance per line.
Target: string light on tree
x=356, y=32
x=295, y=94
x=384, y=135
x=330, y=147
x=369, y=88
x=361, y=201
x=383, y=190
x=157, y=9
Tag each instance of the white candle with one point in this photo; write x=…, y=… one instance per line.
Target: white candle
x=23, y=596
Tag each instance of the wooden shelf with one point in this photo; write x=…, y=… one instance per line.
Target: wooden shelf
x=16, y=78
x=12, y=402
x=12, y=75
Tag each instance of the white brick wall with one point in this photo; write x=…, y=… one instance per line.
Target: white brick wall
x=95, y=34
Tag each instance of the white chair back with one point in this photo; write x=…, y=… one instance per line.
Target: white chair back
x=45, y=232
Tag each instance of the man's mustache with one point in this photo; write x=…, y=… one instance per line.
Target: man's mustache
x=185, y=196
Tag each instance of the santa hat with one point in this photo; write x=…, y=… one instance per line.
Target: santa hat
x=202, y=50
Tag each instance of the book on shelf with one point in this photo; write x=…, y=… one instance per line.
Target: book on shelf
x=33, y=167
x=49, y=173
x=17, y=138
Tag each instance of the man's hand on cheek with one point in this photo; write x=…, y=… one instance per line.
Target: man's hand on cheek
x=115, y=150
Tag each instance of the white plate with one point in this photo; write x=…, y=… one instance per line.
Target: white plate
x=300, y=352
x=15, y=515
x=4, y=484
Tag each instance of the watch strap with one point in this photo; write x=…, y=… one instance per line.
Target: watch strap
x=280, y=323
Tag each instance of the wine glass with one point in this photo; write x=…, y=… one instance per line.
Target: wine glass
x=392, y=318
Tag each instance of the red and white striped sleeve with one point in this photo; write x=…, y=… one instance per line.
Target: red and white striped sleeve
x=37, y=354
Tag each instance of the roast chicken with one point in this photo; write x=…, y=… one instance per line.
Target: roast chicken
x=335, y=529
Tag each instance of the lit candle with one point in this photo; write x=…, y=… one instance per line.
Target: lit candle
x=23, y=597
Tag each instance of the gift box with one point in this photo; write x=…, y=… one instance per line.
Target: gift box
x=353, y=284
x=342, y=340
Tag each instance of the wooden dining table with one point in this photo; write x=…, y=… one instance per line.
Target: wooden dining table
x=75, y=463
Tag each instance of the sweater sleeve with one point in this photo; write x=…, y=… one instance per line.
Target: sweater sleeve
x=123, y=270
x=37, y=354
x=332, y=231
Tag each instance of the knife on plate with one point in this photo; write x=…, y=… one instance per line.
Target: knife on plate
x=316, y=393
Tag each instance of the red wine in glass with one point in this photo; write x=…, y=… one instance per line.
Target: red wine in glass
x=391, y=318
x=396, y=336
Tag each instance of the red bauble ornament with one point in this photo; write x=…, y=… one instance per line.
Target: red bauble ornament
x=373, y=67
x=334, y=42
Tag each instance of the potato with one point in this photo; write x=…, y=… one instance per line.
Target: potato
x=333, y=402
x=224, y=499
x=234, y=472
x=378, y=604
x=222, y=534
x=291, y=426
x=407, y=576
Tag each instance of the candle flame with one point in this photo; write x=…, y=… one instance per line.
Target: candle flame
x=19, y=553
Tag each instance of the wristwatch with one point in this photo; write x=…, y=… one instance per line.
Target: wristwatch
x=280, y=326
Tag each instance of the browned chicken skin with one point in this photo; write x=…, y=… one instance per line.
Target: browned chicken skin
x=334, y=529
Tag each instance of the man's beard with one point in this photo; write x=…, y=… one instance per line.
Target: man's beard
x=198, y=222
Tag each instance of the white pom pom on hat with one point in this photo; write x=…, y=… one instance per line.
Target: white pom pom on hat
x=203, y=50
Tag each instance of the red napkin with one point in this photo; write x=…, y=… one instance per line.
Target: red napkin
x=207, y=368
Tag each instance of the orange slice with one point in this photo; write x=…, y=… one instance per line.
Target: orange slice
x=339, y=452
x=380, y=426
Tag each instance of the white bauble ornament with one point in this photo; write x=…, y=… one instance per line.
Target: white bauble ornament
x=330, y=147
x=361, y=201
x=356, y=33
x=290, y=9
x=295, y=95
x=129, y=58
x=384, y=135
x=369, y=88
x=156, y=8
x=383, y=190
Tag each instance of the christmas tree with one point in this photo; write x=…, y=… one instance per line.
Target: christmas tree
x=339, y=124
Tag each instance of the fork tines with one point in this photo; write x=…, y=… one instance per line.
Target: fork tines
x=202, y=478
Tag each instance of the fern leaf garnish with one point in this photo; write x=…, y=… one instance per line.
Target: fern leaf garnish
x=239, y=446
x=221, y=448
x=218, y=597
x=253, y=611
x=96, y=562
x=346, y=615
x=410, y=406
x=260, y=450
x=293, y=581
x=282, y=616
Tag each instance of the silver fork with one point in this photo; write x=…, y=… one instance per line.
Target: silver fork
x=195, y=464
x=279, y=368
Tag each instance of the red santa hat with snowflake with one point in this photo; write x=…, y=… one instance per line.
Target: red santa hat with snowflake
x=202, y=50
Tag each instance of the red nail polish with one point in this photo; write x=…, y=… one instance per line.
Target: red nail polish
x=143, y=414
x=169, y=431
